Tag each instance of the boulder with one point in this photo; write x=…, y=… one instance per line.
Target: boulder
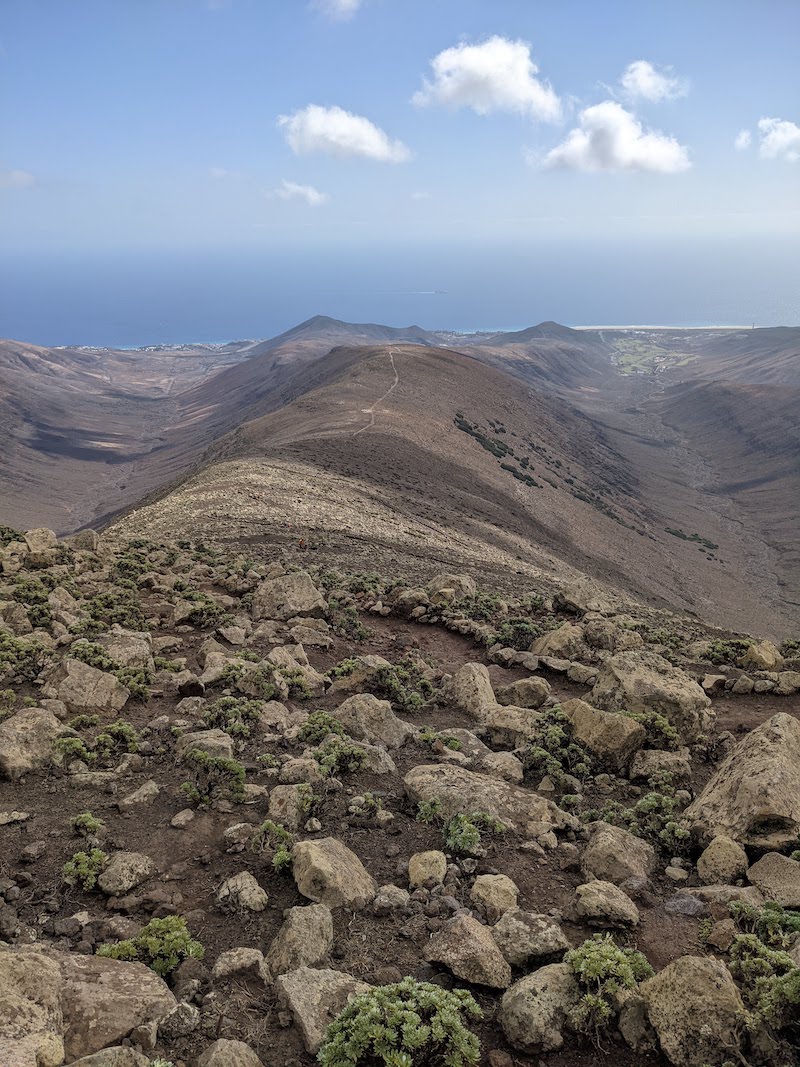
x=304, y=940
x=286, y=596
x=124, y=871
x=213, y=742
x=31, y=1022
x=525, y=693
x=495, y=893
x=241, y=892
x=649, y=762
x=615, y=855
x=427, y=868
x=603, y=904
x=610, y=636
x=533, y=1012
x=645, y=681
x=762, y=656
x=696, y=1010
x=42, y=546
x=85, y=690
x=754, y=795
x=461, y=585
x=611, y=738
x=467, y=949
x=470, y=688
x=565, y=642
x=130, y=648
x=27, y=742
x=244, y=964
x=288, y=804
x=527, y=939
x=582, y=595
x=723, y=861
x=369, y=719
x=507, y=725
x=226, y=1053
x=364, y=670
x=327, y=872
x=104, y=1000
x=460, y=791
x=778, y=878
x=315, y=997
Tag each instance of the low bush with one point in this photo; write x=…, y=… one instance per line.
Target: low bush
x=234, y=715
x=339, y=756
x=407, y=1024
x=161, y=945
x=85, y=868
x=274, y=840
x=554, y=752
x=317, y=727
x=603, y=970
x=213, y=777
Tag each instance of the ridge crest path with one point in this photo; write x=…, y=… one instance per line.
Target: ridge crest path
x=371, y=410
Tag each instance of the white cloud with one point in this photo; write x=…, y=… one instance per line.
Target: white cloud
x=611, y=138
x=338, y=9
x=16, y=179
x=780, y=139
x=641, y=80
x=421, y=195
x=743, y=140
x=498, y=75
x=292, y=191
x=339, y=133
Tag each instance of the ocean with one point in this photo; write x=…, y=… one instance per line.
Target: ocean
x=129, y=298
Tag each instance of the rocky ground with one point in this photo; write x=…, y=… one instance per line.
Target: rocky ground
x=237, y=795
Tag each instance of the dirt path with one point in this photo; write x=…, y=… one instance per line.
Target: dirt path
x=371, y=410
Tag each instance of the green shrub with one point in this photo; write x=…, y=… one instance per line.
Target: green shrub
x=770, y=983
x=9, y=534
x=136, y=679
x=119, y=736
x=775, y=926
x=72, y=748
x=554, y=752
x=727, y=651
x=407, y=1024
x=660, y=733
x=234, y=715
x=120, y=605
x=86, y=824
x=84, y=868
x=206, y=613
x=299, y=689
x=338, y=756
x=654, y=817
x=603, y=970
x=275, y=840
x=519, y=633
x=163, y=663
x=429, y=736
x=161, y=945
x=481, y=607
x=318, y=726
x=345, y=620
x=428, y=811
x=213, y=777
x=20, y=660
x=464, y=832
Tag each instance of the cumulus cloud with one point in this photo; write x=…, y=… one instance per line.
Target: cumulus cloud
x=497, y=75
x=337, y=9
x=339, y=133
x=641, y=80
x=292, y=191
x=743, y=140
x=779, y=139
x=16, y=179
x=611, y=138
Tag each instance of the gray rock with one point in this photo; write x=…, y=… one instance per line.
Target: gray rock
x=327, y=872
x=533, y=1012
x=27, y=742
x=125, y=870
x=468, y=950
x=614, y=855
x=241, y=892
x=85, y=690
x=304, y=940
x=778, y=878
x=288, y=595
x=527, y=939
x=225, y=1053
x=369, y=719
x=315, y=997
x=603, y=904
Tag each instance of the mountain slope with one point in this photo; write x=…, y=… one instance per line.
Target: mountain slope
x=404, y=455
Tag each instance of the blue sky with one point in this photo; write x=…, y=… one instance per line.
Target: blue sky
x=157, y=123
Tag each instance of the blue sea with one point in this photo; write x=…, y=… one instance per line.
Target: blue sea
x=128, y=298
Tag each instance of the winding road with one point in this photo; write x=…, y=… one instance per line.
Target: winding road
x=371, y=410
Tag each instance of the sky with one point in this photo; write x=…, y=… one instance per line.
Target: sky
x=269, y=123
